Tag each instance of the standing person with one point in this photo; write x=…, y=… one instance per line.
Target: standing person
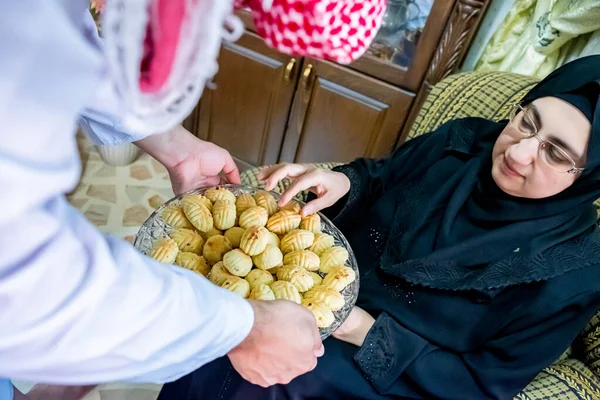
x=79, y=307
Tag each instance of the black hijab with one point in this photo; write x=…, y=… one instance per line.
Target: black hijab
x=463, y=232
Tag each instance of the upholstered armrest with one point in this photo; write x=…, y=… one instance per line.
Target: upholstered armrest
x=566, y=379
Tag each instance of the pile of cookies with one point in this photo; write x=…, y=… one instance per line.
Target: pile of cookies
x=250, y=246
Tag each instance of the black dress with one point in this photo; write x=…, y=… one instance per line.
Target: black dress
x=431, y=343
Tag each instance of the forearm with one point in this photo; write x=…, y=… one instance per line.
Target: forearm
x=169, y=147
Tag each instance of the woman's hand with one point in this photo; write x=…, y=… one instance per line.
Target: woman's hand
x=356, y=327
x=329, y=186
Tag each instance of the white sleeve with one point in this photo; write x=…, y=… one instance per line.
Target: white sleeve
x=79, y=307
x=99, y=120
x=105, y=129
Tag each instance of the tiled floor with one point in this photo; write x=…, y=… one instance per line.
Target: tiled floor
x=119, y=199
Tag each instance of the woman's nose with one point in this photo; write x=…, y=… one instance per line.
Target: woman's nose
x=525, y=151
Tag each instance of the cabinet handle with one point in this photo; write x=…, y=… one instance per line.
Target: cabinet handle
x=306, y=75
x=303, y=98
x=289, y=68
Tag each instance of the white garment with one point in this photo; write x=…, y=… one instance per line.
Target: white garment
x=79, y=307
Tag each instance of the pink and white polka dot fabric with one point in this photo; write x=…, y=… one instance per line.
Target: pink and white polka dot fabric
x=337, y=30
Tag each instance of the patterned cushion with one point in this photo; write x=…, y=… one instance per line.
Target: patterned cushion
x=471, y=94
x=590, y=342
x=249, y=178
x=564, y=380
x=490, y=95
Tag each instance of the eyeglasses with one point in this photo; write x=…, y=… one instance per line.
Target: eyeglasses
x=553, y=155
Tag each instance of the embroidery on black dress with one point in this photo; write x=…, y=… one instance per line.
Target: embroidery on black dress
x=515, y=268
x=377, y=354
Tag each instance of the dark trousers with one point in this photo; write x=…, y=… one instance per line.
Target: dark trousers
x=336, y=377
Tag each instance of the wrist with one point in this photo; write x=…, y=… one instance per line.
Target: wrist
x=172, y=147
x=364, y=330
x=344, y=181
x=258, y=314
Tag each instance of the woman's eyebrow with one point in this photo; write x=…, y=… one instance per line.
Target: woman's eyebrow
x=536, y=116
x=566, y=147
x=537, y=120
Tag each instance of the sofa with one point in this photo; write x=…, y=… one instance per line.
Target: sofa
x=576, y=374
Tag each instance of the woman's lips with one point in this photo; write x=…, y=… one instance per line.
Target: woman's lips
x=509, y=170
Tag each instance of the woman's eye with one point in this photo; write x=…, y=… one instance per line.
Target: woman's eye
x=525, y=125
x=556, y=155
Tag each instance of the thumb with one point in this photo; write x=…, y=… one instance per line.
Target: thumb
x=316, y=205
x=320, y=350
x=230, y=170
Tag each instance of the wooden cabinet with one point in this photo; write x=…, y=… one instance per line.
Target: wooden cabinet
x=247, y=110
x=268, y=107
x=339, y=114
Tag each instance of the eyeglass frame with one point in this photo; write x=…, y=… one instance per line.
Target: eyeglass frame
x=515, y=109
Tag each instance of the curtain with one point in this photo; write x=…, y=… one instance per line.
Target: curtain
x=537, y=36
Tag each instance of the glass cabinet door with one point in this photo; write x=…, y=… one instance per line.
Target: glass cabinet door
x=408, y=36
x=401, y=28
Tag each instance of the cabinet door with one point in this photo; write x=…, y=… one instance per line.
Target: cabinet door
x=247, y=111
x=340, y=114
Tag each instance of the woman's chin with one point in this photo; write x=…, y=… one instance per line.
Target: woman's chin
x=505, y=183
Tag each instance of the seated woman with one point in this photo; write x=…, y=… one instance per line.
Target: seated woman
x=478, y=249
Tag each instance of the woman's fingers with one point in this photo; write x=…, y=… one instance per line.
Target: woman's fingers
x=265, y=172
x=305, y=182
x=316, y=205
x=285, y=170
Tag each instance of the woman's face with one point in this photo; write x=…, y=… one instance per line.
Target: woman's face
x=523, y=167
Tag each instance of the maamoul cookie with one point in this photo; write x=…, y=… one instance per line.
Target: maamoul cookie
x=253, y=216
x=333, y=257
x=311, y=223
x=254, y=240
x=266, y=201
x=174, y=216
x=188, y=240
x=193, y=262
x=303, y=258
x=286, y=291
x=328, y=296
x=322, y=313
x=271, y=257
x=244, y=202
x=297, y=239
x=262, y=292
x=283, y=222
x=219, y=274
x=258, y=277
x=164, y=250
x=215, y=248
x=237, y=285
x=339, y=277
x=197, y=213
x=322, y=242
x=234, y=235
x=224, y=214
x=215, y=194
